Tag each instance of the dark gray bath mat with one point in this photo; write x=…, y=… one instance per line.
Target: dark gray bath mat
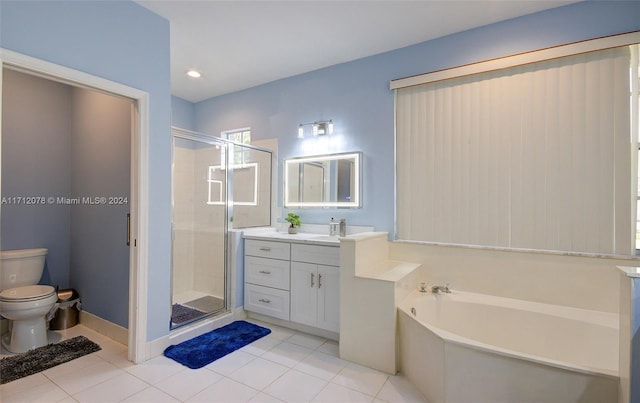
x=206, y=304
x=39, y=359
x=181, y=313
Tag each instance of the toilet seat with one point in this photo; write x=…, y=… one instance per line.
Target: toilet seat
x=27, y=293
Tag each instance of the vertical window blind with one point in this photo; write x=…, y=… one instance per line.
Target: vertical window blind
x=537, y=156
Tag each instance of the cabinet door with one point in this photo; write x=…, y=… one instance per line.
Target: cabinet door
x=329, y=298
x=304, y=292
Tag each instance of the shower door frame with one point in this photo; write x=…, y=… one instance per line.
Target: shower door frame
x=229, y=298
x=177, y=132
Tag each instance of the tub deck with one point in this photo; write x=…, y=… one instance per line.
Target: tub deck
x=494, y=347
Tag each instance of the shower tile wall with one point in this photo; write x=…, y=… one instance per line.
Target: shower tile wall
x=198, y=253
x=183, y=219
x=209, y=228
x=244, y=187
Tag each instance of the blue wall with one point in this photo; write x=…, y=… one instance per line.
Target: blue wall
x=36, y=154
x=183, y=114
x=123, y=42
x=356, y=96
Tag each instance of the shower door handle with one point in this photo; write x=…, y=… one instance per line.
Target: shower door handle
x=128, y=229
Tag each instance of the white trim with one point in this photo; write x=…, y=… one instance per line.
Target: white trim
x=520, y=59
x=157, y=346
x=139, y=183
x=139, y=266
x=316, y=331
x=102, y=326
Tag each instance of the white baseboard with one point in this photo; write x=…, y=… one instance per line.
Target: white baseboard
x=102, y=326
x=295, y=326
x=157, y=346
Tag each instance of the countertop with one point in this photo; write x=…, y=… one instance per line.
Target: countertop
x=630, y=271
x=271, y=234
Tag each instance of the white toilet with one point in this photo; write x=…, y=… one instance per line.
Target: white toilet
x=22, y=301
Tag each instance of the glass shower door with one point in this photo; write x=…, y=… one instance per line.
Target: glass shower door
x=199, y=225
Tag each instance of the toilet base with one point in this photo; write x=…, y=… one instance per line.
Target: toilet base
x=26, y=335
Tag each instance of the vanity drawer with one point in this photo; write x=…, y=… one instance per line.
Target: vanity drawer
x=268, y=272
x=267, y=301
x=270, y=249
x=326, y=255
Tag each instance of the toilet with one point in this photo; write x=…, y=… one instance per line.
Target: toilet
x=22, y=301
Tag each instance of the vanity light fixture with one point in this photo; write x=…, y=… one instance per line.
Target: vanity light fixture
x=319, y=128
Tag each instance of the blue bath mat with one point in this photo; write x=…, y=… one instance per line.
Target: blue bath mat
x=206, y=348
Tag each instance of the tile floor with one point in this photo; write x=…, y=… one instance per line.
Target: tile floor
x=285, y=366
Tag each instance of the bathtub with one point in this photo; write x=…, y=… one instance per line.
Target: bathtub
x=466, y=347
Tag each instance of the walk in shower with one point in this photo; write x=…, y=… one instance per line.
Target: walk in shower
x=217, y=185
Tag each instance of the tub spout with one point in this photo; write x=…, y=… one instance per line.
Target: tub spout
x=437, y=288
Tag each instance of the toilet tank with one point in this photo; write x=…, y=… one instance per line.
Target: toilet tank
x=20, y=267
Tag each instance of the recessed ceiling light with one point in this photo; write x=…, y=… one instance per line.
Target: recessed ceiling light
x=194, y=73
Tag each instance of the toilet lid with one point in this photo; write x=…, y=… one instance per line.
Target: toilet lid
x=27, y=292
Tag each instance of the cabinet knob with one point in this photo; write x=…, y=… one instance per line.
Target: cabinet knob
x=265, y=272
x=266, y=301
x=264, y=249
x=319, y=280
x=312, y=283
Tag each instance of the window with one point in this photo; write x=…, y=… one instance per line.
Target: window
x=534, y=156
x=241, y=136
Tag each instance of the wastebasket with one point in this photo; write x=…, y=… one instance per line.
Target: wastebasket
x=67, y=310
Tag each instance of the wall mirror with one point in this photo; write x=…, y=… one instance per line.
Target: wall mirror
x=332, y=180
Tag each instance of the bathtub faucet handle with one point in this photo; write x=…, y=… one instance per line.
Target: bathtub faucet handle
x=423, y=287
x=437, y=288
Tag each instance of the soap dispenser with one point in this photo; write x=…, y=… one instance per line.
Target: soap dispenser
x=332, y=227
x=343, y=227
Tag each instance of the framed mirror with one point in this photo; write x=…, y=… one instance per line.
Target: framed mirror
x=332, y=180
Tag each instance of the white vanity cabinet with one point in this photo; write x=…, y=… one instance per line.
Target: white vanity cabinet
x=298, y=282
x=315, y=286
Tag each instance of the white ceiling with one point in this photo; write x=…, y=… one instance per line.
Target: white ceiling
x=241, y=44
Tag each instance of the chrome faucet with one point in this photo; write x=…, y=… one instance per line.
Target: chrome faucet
x=437, y=288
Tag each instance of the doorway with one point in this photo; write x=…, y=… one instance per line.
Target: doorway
x=131, y=293
x=68, y=149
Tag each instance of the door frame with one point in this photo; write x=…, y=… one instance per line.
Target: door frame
x=139, y=193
